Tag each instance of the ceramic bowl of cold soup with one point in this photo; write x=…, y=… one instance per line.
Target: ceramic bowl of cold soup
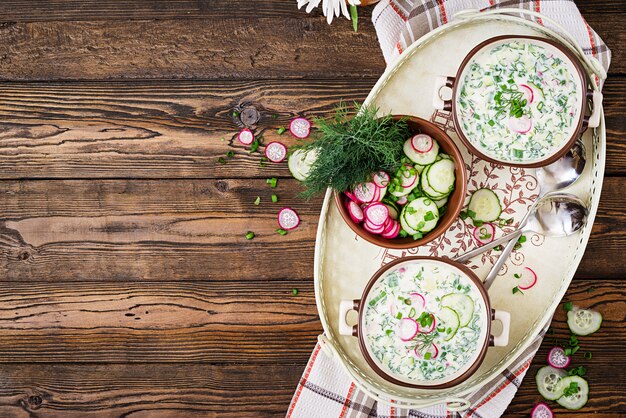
x=519, y=101
x=424, y=322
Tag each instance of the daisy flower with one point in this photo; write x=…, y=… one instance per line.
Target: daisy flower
x=331, y=8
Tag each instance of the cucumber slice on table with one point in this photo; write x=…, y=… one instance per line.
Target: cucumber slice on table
x=441, y=176
x=300, y=163
x=462, y=304
x=421, y=158
x=420, y=215
x=576, y=400
x=484, y=206
x=548, y=379
x=583, y=321
x=449, y=322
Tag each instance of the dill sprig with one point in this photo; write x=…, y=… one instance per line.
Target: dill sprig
x=350, y=149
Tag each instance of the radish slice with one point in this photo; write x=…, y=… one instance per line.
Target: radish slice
x=432, y=349
x=541, y=410
x=373, y=229
x=376, y=214
x=409, y=181
x=246, y=137
x=408, y=329
x=402, y=201
x=389, y=226
x=529, y=95
x=300, y=128
x=275, y=152
x=429, y=329
x=376, y=197
x=558, y=359
x=394, y=232
x=351, y=196
x=528, y=279
x=422, y=143
x=355, y=212
x=484, y=234
x=365, y=192
x=521, y=125
x=288, y=219
x=418, y=299
x=381, y=179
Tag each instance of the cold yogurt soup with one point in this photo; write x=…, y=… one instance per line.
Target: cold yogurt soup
x=424, y=322
x=519, y=101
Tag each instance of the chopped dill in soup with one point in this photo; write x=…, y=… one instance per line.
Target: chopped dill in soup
x=423, y=321
x=519, y=101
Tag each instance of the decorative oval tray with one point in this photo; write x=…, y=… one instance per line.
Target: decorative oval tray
x=344, y=262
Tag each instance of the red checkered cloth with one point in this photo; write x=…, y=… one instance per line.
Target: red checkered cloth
x=325, y=390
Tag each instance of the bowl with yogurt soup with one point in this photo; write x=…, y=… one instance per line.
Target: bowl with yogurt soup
x=519, y=101
x=424, y=322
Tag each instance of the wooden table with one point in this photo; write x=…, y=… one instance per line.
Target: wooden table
x=128, y=287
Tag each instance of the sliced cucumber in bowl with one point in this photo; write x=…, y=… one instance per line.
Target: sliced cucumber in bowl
x=420, y=215
x=462, y=304
x=449, y=320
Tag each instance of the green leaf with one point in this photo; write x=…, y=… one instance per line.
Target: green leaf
x=354, y=14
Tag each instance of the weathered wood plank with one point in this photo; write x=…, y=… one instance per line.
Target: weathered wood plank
x=154, y=230
x=173, y=129
x=98, y=389
x=605, y=371
x=93, y=230
x=258, y=321
x=217, y=48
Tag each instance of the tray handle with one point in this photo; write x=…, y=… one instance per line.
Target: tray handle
x=502, y=340
x=438, y=102
x=346, y=306
x=593, y=120
x=592, y=63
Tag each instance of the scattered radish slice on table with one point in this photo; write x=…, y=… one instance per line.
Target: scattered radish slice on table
x=422, y=143
x=300, y=128
x=528, y=279
x=288, y=219
x=541, y=410
x=557, y=358
x=485, y=233
x=246, y=137
x=408, y=329
x=275, y=152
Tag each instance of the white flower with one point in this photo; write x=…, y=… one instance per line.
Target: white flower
x=330, y=8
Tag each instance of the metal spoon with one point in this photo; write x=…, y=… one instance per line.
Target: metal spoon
x=554, y=215
x=558, y=175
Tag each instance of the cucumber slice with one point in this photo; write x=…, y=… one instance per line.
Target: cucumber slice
x=426, y=187
x=441, y=176
x=406, y=226
x=462, y=304
x=450, y=322
x=485, y=205
x=576, y=400
x=441, y=202
x=421, y=214
x=421, y=158
x=548, y=379
x=583, y=321
x=300, y=163
x=393, y=209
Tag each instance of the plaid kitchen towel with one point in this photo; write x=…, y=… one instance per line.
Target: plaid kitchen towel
x=325, y=389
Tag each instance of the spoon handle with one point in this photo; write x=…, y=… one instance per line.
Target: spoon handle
x=502, y=240
x=499, y=263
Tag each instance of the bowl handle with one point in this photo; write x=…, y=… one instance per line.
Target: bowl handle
x=593, y=120
x=346, y=306
x=502, y=340
x=440, y=82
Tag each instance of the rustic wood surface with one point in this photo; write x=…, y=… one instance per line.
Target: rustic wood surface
x=127, y=286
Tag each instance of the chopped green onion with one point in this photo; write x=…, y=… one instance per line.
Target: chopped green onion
x=388, y=332
x=517, y=275
x=412, y=313
x=568, y=306
x=294, y=291
x=471, y=213
x=281, y=130
x=263, y=162
x=235, y=113
x=427, y=356
x=274, y=116
x=274, y=198
x=477, y=223
x=522, y=239
x=221, y=160
x=249, y=235
x=230, y=154
x=429, y=216
x=463, y=215
x=272, y=182
x=399, y=315
x=517, y=290
x=257, y=201
x=254, y=146
x=281, y=232
x=587, y=355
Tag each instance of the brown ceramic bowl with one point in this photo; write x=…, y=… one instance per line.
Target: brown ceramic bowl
x=586, y=96
x=485, y=339
x=455, y=200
